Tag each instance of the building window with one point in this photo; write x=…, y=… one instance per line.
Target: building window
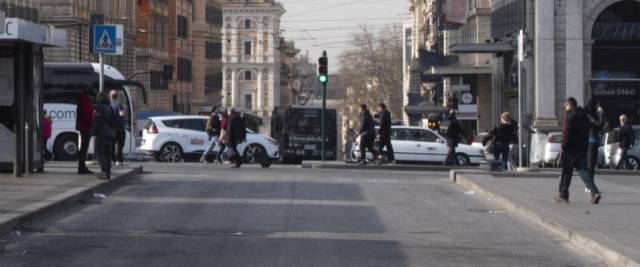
x=248, y=99
x=213, y=82
x=247, y=48
x=213, y=50
x=213, y=15
x=183, y=27
x=247, y=75
x=157, y=81
x=247, y=24
x=184, y=69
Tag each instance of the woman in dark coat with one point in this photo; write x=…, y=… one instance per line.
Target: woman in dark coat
x=103, y=131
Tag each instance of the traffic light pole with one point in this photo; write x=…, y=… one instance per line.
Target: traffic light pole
x=324, y=111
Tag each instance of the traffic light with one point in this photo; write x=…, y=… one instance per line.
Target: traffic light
x=323, y=68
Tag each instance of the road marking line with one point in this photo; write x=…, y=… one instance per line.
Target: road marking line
x=188, y=200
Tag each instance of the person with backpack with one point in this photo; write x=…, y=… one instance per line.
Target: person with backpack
x=119, y=121
x=213, y=131
x=104, y=133
x=575, y=142
x=595, y=113
x=502, y=136
x=236, y=133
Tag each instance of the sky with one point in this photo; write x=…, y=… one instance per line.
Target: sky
x=317, y=25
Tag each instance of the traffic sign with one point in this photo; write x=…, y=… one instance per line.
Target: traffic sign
x=108, y=39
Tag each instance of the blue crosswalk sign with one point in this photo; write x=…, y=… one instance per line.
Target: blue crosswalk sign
x=106, y=39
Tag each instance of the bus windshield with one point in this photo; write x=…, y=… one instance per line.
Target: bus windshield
x=304, y=122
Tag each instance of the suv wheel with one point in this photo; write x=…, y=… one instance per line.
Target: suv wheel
x=170, y=152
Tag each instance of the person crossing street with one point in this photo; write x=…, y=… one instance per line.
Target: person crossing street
x=384, y=133
x=575, y=140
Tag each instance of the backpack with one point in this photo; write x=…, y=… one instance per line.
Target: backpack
x=213, y=126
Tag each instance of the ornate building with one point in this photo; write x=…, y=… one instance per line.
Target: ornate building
x=250, y=56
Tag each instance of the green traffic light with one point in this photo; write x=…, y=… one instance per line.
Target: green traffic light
x=322, y=78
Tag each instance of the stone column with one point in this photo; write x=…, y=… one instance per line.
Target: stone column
x=259, y=98
x=223, y=94
x=544, y=57
x=234, y=88
x=574, y=64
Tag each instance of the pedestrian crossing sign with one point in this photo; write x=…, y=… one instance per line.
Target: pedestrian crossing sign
x=107, y=39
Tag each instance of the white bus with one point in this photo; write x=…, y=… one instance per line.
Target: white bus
x=62, y=84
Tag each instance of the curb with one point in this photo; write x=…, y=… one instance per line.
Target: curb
x=313, y=165
x=610, y=256
x=60, y=201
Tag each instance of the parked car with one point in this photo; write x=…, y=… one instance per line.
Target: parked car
x=477, y=143
x=415, y=144
x=552, y=150
x=177, y=138
x=612, y=152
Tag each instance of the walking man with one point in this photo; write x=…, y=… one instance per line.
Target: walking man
x=84, y=121
x=237, y=133
x=104, y=132
x=119, y=121
x=367, y=134
x=454, y=133
x=575, y=139
x=627, y=140
x=384, y=134
x=595, y=113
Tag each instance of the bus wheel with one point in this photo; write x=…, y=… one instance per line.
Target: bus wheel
x=170, y=152
x=66, y=147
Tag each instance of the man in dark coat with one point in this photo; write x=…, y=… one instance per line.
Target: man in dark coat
x=104, y=132
x=367, y=134
x=84, y=121
x=575, y=141
x=384, y=133
x=454, y=133
x=627, y=139
x=236, y=133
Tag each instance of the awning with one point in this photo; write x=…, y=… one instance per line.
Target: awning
x=424, y=109
x=480, y=48
x=21, y=30
x=457, y=70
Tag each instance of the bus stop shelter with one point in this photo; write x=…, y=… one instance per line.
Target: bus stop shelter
x=21, y=60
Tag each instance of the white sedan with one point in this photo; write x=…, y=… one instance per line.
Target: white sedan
x=174, y=138
x=415, y=144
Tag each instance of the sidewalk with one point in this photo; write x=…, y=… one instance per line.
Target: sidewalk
x=609, y=230
x=25, y=198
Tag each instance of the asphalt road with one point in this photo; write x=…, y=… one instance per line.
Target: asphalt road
x=187, y=215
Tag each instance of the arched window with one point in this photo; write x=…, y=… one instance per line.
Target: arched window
x=247, y=24
x=247, y=75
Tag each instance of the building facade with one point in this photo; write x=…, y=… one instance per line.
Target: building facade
x=74, y=16
x=250, y=56
x=207, y=55
x=152, y=53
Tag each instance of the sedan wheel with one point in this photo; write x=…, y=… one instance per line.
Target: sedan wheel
x=170, y=152
x=463, y=159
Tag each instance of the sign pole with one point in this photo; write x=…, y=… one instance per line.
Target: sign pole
x=520, y=123
x=101, y=79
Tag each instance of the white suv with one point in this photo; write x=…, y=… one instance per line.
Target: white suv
x=174, y=138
